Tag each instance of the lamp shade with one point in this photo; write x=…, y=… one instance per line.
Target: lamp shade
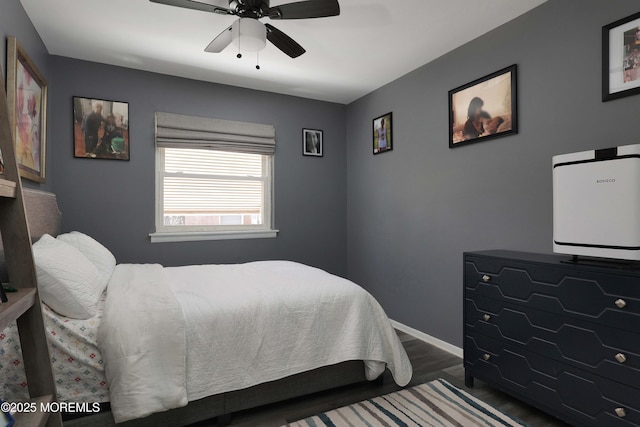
x=249, y=34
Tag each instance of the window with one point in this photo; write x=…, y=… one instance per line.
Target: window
x=203, y=193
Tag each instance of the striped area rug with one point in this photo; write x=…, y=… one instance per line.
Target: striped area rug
x=437, y=403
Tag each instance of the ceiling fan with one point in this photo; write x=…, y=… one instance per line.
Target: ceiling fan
x=251, y=34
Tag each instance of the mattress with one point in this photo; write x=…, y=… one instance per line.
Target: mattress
x=78, y=367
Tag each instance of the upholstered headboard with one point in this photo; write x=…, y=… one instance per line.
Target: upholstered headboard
x=43, y=214
x=43, y=217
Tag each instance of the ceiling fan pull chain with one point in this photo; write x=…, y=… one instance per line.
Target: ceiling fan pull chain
x=257, y=60
x=239, y=55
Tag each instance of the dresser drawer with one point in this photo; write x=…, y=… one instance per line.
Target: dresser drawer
x=606, y=299
x=609, y=352
x=584, y=398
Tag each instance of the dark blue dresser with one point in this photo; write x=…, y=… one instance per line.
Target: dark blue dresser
x=560, y=336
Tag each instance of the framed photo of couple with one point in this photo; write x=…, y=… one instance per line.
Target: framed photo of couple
x=484, y=109
x=100, y=129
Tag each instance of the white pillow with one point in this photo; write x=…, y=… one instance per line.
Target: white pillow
x=100, y=256
x=67, y=280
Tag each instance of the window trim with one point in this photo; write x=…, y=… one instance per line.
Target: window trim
x=196, y=236
x=199, y=233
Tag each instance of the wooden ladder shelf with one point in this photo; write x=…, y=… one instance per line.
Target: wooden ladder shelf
x=24, y=305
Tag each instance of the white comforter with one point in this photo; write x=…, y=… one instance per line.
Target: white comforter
x=177, y=334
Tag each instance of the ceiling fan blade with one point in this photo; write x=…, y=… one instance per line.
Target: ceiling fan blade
x=195, y=5
x=283, y=42
x=305, y=9
x=218, y=44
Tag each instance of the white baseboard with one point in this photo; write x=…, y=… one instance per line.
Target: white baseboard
x=443, y=345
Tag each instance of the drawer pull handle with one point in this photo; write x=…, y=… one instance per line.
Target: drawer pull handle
x=621, y=412
x=486, y=317
x=621, y=358
x=486, y=278
x=620, y=303
x=486, y=357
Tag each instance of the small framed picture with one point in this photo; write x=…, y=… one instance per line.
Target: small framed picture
x=621, y=58
x=382, y=134
x=100, y=129
x=27, y=99
x=484, y=109
x=312, y=143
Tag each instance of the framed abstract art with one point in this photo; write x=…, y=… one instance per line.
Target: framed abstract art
x=27, y=98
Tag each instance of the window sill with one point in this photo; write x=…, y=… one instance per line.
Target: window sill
x=196, y=236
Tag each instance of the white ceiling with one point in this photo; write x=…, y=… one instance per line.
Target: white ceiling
x=371, y=43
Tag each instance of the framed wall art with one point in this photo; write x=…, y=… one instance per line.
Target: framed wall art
x=383, y=133
x=100, y=129
x=484, y=109
x=312, y=142
x=27, y=99
x=621, y=58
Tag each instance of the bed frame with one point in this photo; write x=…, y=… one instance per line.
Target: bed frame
x=44, y=216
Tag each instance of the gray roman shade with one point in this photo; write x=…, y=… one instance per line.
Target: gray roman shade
x=178, y=131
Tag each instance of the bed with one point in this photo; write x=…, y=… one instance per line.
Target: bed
x=274, y=329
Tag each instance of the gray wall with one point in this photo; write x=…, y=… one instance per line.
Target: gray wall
x=114, y=201
x=15, y=22
x=413, y=211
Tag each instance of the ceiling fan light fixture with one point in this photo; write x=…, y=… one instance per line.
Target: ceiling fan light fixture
x=249, y=34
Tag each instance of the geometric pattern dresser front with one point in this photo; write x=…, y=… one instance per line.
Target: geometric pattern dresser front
x=560, y=336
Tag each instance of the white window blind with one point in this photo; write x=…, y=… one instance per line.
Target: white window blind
x=209, y=187
x=204, y=182
x=175, y=130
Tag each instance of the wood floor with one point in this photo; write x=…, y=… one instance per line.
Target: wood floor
x=428, y=362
